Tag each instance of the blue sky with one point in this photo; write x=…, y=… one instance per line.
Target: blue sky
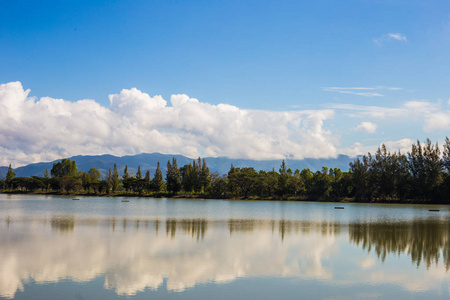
x=366, y=71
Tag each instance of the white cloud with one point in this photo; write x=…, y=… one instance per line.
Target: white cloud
x=397, y=36
x=389, y=37
x=437, y=121
x=367, y=127
x=353, y=91
x=361, y=91
x=402, y=145
x=45, y=129
x=430, y=115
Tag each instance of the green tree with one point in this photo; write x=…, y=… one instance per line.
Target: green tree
x=173, y=177
x=85, y=181
x=66, y=173
x=138, y=173
x=46, y=180
x=218, y=186
x=320, y=184
x=9, y=176
x=188, y=178
x=446, y=155
x=283, y=180
x=360, y=170
x=426, y=168
x=65, y=167
x=244, y=180
x=94, y=174
x=147, y=181
x=126, y=175
x=204, y=175
x=158, y=181
x=115, y=179
x=295, y=184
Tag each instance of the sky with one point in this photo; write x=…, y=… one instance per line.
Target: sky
x=242, y=79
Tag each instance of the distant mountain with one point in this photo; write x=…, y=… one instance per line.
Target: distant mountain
x=3, y=171
x=147, y=161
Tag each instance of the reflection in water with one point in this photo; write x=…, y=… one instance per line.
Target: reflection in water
x=132, y=255
x=63, y=224
x=424, y=240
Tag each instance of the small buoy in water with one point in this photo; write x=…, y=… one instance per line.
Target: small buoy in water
x=75, y=199
x=433, y=210
x=338, y=207
x=125, y=200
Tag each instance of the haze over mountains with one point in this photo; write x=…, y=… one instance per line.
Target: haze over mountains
x=147, y=161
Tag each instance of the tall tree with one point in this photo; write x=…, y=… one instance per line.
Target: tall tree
x=446, y=155
x=426, y=169
x=46, y=180
x=283, y=179
x=158, y=181
x=9, y=176
x=126, y=175
x=173, y=177
x=187, y=178
x=115, y=179
x=147, y=181
x=138, y=173
x=85, y=181
x=204, y=175
x=360, y=170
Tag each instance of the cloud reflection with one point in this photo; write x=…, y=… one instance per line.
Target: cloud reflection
x=136, y=254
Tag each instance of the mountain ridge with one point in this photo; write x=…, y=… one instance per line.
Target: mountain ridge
x=148, y=161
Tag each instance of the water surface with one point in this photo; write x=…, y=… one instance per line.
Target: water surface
x=103, y=248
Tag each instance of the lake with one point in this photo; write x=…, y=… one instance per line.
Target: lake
x=53, y=247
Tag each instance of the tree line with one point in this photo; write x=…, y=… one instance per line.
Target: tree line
x=420, y=175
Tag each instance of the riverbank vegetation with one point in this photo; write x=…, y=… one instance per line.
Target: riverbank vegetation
x=420, y=176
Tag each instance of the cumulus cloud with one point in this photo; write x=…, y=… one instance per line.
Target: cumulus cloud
x=367, y=127
x=45, y=129
x=402, y=145
x=390, y=37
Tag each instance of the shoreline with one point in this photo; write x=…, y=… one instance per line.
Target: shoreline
x=204, y=197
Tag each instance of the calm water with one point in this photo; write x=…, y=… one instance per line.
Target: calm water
x=102, y=248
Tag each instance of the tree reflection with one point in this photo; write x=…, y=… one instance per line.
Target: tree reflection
x=63, y=223
x=423, y=240
x=426, y=241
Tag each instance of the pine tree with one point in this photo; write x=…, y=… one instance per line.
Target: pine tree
x=204, y=175
x=158, y=181
x=10, y=175
x=446, y=155
x=147, y=181
x=138, y=173
x=125, y=173
x=173, y=177
x=115, y=179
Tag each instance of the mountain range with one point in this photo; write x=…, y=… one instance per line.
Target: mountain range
x=148, y=161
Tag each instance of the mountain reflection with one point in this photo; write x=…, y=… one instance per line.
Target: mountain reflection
x=424, y=240
x=135, y=254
